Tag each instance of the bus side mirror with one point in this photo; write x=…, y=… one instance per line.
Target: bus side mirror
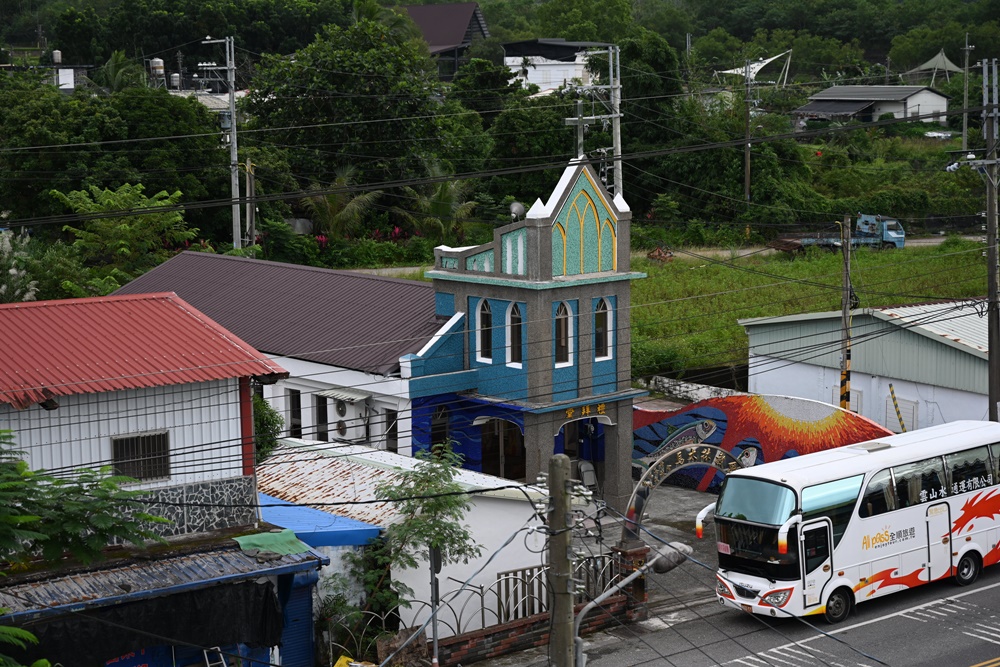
x=783, y=533
x=699, y=521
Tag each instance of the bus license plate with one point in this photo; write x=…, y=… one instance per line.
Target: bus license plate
x=747, y=608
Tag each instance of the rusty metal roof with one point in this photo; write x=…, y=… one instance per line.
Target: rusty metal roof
x=322, y=475
x=83, y=346
x=341, y=318
x=144, y=579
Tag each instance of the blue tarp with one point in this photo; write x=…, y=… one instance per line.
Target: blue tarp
x=315, y=527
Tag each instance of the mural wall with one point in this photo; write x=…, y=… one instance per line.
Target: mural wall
x=756, y=428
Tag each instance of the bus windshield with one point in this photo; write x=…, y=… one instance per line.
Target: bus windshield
x=756, y=500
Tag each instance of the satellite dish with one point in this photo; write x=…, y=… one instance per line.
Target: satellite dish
x=516, y=210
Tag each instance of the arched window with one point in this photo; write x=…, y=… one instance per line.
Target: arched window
x=485, y=332
x=515, y=334
x=564, y=334
x=602, y=330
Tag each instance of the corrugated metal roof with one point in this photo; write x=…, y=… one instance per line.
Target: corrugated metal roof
x=144, y=579
x=82, y=346
x=958, y=322
x=870, y=93
x=833, y=107
x=341, y=318
x=318, y=474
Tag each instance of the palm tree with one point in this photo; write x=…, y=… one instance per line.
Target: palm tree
x=118, y=74
x=340, y=212
x=440, y=212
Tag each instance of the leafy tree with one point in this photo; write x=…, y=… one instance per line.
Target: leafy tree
x=267, y=426
x=354, y=91
x=122, y=247
x=484, y=87
x=586, y=20
x=51, y=518
x=16, y=283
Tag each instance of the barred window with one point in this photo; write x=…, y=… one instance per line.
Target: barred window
x=142, y=457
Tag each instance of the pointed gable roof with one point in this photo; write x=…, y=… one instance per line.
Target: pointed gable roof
x=448, y=26
x=82, y=346
x=340, y=318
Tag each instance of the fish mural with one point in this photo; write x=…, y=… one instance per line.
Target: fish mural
x=754, y=428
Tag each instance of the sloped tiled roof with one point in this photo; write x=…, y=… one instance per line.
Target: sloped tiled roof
x=448, y=26
x=82, y=346
x=340, y=318
x=324, y=474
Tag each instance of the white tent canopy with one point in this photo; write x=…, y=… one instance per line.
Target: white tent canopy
x=939, y=63
x=757, y=65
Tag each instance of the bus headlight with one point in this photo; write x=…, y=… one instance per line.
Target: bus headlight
x=722, y=589
x=777, y=598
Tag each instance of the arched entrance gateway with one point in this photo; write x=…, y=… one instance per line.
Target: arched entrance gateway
x=685, y=456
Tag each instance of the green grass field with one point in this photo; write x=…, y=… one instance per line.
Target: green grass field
x=685, y=314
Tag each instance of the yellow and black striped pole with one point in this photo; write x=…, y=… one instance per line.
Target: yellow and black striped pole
x=845, y=351
x=845, y=378
x=895, y=404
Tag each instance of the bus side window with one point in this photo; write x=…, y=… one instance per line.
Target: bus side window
x=919, y=482
x=834, y=499
x=878, y=496
x=817, y=547
x=995, y=450
x=970, y=470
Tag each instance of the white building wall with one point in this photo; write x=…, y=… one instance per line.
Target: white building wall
x=493, y=521
x=929, y=404
x=310, y=378
x=552, y=73
x=203, y=422
x=922, y=103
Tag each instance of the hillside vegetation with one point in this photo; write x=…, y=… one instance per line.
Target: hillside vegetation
x=684, y=315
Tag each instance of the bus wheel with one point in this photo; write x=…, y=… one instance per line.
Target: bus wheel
x=838, y=606
x=968, y=568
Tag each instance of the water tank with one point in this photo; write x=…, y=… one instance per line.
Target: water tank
x=175, y=80
x=156, y=65
x=57, y=56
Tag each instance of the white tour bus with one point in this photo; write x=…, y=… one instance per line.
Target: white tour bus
x=816, y=534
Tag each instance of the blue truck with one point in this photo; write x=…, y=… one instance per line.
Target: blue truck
x=870, y=231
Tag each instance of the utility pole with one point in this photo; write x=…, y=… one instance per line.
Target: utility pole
x=560, y=566
x=990, y=101
x=965, y=102
x=746, y=143
x=234, y=165
x=845, y=315
x=612, y=104
x=251, y=205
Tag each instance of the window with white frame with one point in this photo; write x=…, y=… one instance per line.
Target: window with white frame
x=143, y=456
x=564, y=335
x=294, y=413
x=484, y=329
x=515, y=335
x=603, y=337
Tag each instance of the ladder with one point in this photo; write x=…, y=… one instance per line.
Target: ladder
x=214, y=657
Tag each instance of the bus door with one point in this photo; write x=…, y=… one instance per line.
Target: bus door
x=816, y=556
x=938, y=541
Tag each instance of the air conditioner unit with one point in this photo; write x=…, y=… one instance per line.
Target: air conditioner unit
x=348, y=420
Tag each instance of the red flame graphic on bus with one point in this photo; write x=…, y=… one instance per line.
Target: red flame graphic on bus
x=886, y=578
x=984, y=505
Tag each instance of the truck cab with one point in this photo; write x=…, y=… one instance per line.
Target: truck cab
x=887, y=230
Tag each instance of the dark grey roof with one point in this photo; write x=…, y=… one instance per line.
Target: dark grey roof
x=448, y=26
x=139, y=579
x=870, y=93
x=552, y=49
x=831, y=108
x=340, y=318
